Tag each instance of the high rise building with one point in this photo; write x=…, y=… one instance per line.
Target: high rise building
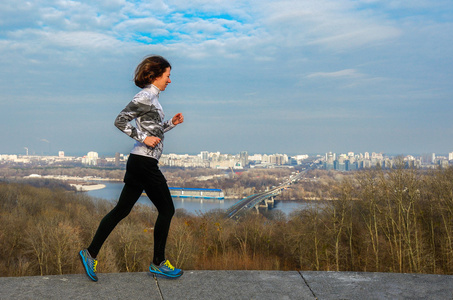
x=428, y=158
x=330, y=157
x=244, y=158
x=117, y=159
x=204, y=155
x=91, y=158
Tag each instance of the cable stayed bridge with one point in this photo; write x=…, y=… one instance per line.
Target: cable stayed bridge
x=243, y=206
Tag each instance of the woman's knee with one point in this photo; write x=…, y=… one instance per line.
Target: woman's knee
x=120, y=213
x=167, y=212
x=166, y=209
x=172, y=211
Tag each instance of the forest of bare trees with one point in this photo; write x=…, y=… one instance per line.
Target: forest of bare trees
x=398, y=220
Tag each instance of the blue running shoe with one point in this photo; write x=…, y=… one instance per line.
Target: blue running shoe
x=89, y=264
x=165, y=269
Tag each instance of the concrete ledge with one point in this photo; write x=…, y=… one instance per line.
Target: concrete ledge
x=362, y=285
x=232, y=285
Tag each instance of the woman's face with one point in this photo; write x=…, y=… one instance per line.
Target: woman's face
x=162, y=81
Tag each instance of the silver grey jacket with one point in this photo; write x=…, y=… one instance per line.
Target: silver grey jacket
x=149, y=116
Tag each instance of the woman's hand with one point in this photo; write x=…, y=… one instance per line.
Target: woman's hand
x=151, y=141
x=177, y=119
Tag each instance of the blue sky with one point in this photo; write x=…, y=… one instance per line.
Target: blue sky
x=264, y=76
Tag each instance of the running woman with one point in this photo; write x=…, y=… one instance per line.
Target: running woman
x=142, y=171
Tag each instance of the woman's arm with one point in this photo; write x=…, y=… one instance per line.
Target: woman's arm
x=170, y=124
x=123, y=121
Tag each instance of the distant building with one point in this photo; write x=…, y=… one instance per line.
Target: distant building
x=257, y=158
x=328, y=166
x=204, y=155
x=117, y=159
x=351, y=165
x=339, y=165
x=367, y=155
x=443, y=163
x=91, y=159
x=428, y=158
x=244, y=158
x=330, y=157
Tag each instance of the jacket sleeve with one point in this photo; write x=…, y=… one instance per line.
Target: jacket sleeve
x=168, y=125
x=123, y=121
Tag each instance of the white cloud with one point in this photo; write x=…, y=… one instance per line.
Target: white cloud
x=352, y=36
x=141, y=29
x=342, y=73
x=336, y=25
x=44, y=42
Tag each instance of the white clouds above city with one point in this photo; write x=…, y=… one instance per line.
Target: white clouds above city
x=262, y=76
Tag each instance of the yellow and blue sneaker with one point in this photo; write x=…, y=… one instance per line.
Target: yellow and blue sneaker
x=89, y=264
x=165, y=269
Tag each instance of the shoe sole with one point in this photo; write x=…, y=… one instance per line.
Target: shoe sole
x=86, y=267
x=163, y=275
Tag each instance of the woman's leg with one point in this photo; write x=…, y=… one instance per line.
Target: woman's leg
x=160, y=195
x=129, y=196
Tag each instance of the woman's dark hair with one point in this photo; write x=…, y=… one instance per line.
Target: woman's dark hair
x=149, y=69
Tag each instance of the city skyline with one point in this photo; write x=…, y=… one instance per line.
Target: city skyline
x=268, y=76
x=216, y=160
x=203, y=153
x=26, y=151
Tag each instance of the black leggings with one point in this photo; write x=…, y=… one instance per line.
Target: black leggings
x=142, y=173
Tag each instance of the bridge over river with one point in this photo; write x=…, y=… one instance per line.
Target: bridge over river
x=241, y=207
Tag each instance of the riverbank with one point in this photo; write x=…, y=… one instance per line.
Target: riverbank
x=87, y=187
x=72, y=178
x=81, y=184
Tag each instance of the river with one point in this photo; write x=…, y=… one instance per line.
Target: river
x=112, y=191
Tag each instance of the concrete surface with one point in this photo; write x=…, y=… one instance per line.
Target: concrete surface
x=260, y=285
